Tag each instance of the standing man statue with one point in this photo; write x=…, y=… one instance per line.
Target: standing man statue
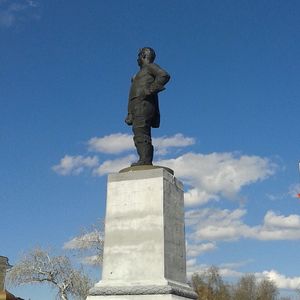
x=143, y=108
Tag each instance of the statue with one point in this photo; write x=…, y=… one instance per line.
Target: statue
x=143, y=108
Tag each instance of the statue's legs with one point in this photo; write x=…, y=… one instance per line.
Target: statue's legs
x=143, y=144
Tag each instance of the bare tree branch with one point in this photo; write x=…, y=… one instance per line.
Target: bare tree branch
x=39, y=267
x=88, y=244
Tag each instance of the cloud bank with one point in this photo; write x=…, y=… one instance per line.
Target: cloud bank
x=209, y=177
x=117, y=143
x=111, y=166
x=114, y=143
x=281, y=281
x=194, y=250
x=74, y=165
x=212, y=225
x=216, y=175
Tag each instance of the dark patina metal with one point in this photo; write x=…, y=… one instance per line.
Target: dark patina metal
x=143, y=107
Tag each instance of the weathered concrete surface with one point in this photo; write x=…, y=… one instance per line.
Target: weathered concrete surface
x=139, y=297
x=144, y=249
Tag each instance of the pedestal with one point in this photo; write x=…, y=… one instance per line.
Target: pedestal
x=144, y=247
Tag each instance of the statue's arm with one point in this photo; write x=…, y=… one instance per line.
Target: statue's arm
x=161, y=77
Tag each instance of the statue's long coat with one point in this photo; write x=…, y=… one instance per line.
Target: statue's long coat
x=143, y=100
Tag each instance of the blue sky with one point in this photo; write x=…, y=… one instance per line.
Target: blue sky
x=229, y=124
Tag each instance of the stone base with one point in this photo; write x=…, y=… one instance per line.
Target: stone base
x=171, y=289
x=137, y=297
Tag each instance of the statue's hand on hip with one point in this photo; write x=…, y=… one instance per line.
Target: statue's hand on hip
x=129, y=120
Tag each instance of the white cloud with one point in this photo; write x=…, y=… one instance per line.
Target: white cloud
x=273, y=234
x=113, y=143
x=194, y=250
x=111, y=166
x=191, y=262
x=196, y=196
x=119, y=142
x=216, y=175
x=226, y=272
x=74, y=165
x=278, y=227
x=194, y=267
x=282, y=281
x=273, y=220
x=15, y=11
x=235, y=265
x=214, y=224
x=225, y=269
x=208, y=176
x=224, y=225
x=178, y=140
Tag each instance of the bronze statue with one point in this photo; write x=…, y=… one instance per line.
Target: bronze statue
x=143, y=108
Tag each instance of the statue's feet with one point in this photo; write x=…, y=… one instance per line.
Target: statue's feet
x=141, y=163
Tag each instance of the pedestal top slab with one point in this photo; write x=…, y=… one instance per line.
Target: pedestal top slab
x=145, y=174
x=145, y=167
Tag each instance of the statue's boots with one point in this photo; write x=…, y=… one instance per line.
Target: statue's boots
x=144, y=149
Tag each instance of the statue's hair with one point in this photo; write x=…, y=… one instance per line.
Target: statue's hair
x=149, y=53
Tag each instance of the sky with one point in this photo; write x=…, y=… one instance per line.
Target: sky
x=229, y=124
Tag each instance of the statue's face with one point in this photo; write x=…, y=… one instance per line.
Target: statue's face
x=140, y=59
x=145, y=56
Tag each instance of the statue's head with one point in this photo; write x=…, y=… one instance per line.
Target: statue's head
x=146, y=55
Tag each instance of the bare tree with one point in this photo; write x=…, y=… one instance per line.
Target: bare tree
x=89, y=244
x=39, y=267
x=267, y=290
x=209, y=285
x=245, y=288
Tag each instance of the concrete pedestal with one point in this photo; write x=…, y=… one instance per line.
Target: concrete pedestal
x=139, y=297
x=144, y=248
